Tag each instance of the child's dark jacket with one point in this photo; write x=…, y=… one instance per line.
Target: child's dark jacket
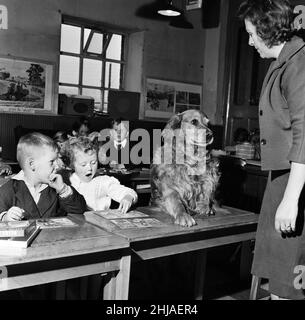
x=15, y=193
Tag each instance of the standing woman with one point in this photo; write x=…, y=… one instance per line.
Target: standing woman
x=280, y=241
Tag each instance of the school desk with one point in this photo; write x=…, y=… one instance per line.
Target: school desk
x=67, y=253
x=226, y=227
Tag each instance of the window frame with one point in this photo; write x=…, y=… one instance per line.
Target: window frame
x=105, y=30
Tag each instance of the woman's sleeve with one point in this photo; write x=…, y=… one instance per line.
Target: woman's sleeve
x=294, y=93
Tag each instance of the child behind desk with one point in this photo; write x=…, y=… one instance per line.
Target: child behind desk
x=5, y=169
x=97, y=190
x=37, y=190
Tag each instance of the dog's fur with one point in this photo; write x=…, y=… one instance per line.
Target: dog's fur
x=184, y=189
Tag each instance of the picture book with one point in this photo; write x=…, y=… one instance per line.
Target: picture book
x=50, y=223
x=117, y=214
x=14, y=228
x=113, y=219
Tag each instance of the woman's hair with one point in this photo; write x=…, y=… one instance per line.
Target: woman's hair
x=82, y=144
x=273, y=19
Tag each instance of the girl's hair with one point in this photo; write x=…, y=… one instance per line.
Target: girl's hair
x=82, y=144
x=273, y=19
x=60, y=136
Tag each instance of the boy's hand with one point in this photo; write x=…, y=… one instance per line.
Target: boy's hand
x=5, y=169
x=125, y=203
x=13, y=214
x=56, y=182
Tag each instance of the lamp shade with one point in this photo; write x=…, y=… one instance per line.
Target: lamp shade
x=167, y=9
x=150, y=11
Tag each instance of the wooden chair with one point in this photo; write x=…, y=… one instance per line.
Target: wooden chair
x=255, y=285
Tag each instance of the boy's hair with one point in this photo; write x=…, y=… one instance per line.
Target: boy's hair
x=116, y=121
x=27, y=144
x=273, y=19
x=83, y=144
x=82, y=121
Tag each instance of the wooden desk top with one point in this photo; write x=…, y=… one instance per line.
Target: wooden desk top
x=67, y=242
x=224, y=219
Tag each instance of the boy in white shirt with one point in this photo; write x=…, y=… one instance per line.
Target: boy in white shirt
x=97, y=190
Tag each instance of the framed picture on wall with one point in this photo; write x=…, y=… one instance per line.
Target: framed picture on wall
x=26, y=86
x=165, y=98
x=193, y=4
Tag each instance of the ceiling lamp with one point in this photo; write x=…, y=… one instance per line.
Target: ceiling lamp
x=167, y=9
x=150, y=11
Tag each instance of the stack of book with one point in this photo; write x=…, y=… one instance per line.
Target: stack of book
x=17, y=234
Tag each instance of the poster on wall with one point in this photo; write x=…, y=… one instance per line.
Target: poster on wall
x=164, y=98
x=25, y=86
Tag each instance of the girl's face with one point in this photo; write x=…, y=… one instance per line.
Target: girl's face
x=256, y=41
x=83, y=130
x=85, y=165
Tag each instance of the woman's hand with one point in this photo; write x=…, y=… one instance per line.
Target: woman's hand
x=287, y=211
x=286, y=215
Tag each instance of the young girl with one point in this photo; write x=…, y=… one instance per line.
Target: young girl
x=97, y=190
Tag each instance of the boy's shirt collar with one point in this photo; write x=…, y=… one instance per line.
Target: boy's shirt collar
x=122, y=144
x=20, y=176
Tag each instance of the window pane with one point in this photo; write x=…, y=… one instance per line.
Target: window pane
x=95, y=94
x=68, y=90
x=70, y=38
x=96, y=43
x=86, y=35
x=113, y=75
x=69, y=69
x=114, y=50
x=92, y=72
x=105, y=104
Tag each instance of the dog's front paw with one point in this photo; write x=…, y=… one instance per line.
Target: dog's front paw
x=185, y=220
x=211, y=212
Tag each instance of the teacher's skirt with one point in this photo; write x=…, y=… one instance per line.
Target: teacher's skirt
x=276, y=255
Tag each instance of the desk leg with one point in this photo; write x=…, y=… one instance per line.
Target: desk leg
x=117, y=288
x=200, y=274
x=110, y=286
x=123, y=277
x=245, y=261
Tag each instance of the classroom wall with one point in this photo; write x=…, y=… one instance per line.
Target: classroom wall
x=168, y=53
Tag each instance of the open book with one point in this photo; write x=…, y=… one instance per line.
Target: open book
x=114, y=219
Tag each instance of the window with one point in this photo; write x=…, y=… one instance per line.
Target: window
x=91, y=61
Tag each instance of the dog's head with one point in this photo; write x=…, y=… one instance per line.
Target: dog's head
x=194, y=126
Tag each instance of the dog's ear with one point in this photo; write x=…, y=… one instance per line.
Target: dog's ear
x=174, y=122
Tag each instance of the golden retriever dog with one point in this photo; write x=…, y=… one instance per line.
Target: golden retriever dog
x=183, y=175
